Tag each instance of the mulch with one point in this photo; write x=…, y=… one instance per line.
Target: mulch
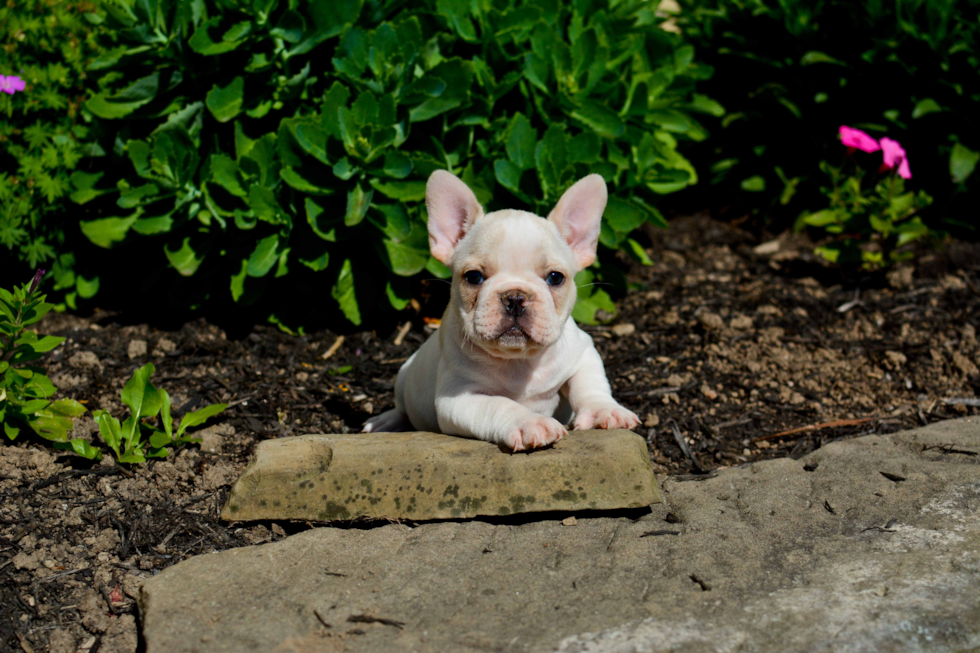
x=732, y=348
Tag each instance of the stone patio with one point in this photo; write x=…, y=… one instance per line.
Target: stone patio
x=871, y=544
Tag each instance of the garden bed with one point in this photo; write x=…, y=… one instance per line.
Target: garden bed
x=731, y=348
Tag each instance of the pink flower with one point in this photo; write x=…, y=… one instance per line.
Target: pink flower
x=11, y=84
x=894, y=156
x=856, y=138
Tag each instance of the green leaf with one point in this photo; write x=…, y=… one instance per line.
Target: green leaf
x=404, y=191
x=925, y=106
x=87, y=289
x=521, y=142
x=398, y=300
x=84, y=184
x=704, y=104
x=814, y=56
x=238, y=282
x=623, y=216
x=822, y=218
x=110, y=429
x=313, y=141
x=198, y=417
x=358, y=202
x=165, y=417
x=639, y=252
x=457, y=75
x=226, y=103
x=584, y=148
x=508, y=174
x=106, y=231
x=962, y=162
x=397, y=165
x=319, y=264
x=754, y=184
x=264, y=256
x=599, y=118
x=80, y=447
x=326, y=227
x=343, y=293
x=139, y=396
x=174, y=156
x=185, y=260
x=202, y=43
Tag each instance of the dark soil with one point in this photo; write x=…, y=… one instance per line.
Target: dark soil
x=729, y=352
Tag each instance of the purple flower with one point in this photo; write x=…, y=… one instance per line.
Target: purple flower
x=10, y=84
x=36, y=282
x=857, y=139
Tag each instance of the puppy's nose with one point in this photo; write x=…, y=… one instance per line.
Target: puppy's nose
x=514, y=303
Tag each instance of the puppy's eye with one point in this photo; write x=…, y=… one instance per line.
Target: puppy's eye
x=555, y=279
x=473, y=277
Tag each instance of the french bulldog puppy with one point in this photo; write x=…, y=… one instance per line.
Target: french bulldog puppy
x=508, y=363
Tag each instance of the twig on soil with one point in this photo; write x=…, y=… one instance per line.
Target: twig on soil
x=962, y=401
x=815, y=427
x=333, y=348
x=656, y=533
x=402, y=332
x=683, y=445
x=948, y=448
x=368, y=619
x=321, y=619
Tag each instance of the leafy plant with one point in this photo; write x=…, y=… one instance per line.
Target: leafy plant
x=134, y=440
x=263, y=146
x=46, y=45
x=908, y=68
x=25, y=392
x=870, y=219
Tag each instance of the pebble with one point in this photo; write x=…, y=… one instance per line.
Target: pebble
x=710, y=321
x=625, y=329
x=742, y=323
x=136, y=349
x=569, y=521
x=85, y=359
x=651, y=420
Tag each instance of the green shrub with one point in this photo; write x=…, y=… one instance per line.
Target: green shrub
x=136, y=439
x=792, y=72
x=25, y=392
x=48, y=45
x=250, y=144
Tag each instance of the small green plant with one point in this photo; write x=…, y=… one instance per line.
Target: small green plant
x=135, y=440
x=870, y=217
x=25, y=392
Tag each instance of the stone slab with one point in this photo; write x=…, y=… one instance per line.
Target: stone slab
x=422, y=476
x=764, y=557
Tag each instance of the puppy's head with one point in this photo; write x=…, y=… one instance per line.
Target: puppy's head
x=513, y=272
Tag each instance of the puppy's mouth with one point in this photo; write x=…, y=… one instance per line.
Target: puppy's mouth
x=515, y=336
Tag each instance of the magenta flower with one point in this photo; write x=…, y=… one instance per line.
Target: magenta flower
x=10, y=84
x=856, y=138
x=894, y=157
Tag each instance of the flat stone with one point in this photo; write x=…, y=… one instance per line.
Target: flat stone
x=825, y=553
x=423, y=476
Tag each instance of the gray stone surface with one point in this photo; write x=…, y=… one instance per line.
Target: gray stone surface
x=768, y=557
x=423, y=476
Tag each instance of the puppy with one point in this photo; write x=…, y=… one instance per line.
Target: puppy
x=508, y=364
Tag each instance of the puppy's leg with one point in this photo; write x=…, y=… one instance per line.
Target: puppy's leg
x=497, y=419
x=589, y=394
x=396, y=419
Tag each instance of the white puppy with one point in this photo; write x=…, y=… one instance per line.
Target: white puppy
x=508, y=359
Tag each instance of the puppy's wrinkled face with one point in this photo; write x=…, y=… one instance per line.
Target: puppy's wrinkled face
x=513, y=283
x=513, y=272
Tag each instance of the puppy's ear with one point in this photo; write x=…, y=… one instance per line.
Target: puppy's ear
x=453, y=208
x=578, y=216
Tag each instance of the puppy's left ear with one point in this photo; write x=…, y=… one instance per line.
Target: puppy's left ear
x=578, y=217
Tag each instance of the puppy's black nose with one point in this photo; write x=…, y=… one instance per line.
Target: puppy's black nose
x=514, y=304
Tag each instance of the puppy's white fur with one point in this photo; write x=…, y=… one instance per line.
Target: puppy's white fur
x=508, y=359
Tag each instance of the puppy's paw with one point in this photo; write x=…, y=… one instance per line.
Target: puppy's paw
x=612, y=416
x=535, y=433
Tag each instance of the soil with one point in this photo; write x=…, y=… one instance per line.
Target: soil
x=731, y=348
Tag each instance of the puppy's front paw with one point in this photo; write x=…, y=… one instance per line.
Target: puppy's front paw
x=612, y=416
x=535, y=433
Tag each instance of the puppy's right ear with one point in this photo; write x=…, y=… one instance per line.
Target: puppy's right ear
x=453, y=208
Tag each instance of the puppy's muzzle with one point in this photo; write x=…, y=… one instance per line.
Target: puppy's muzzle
x=515, y=303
